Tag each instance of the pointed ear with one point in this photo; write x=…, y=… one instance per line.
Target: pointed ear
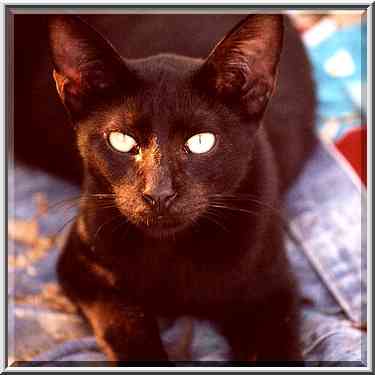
x=86, y=67
x=242, y=68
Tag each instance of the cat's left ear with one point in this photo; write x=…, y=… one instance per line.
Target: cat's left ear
x=242, y=68
x=86, y=66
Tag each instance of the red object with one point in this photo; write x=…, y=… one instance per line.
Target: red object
x=353, y=146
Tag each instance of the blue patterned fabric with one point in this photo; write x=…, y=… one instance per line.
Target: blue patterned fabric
x=339, y=60
x=327, y=215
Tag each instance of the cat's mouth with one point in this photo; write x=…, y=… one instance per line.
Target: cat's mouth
x=162, y=226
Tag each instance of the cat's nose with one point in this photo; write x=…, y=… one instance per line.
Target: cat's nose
x=161, y=199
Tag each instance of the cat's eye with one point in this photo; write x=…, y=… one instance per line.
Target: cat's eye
x=200, y=143
x=122, y=142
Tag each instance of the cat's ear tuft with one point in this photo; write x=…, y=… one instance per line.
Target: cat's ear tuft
x=243, y=66
x=85, y=65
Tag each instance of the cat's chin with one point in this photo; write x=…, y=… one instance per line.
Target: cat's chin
x=163, y=231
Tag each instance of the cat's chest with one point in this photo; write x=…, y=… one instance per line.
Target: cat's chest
x=169, y=281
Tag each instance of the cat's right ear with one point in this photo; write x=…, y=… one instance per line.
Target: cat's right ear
x=242, y=68
x=86, y=67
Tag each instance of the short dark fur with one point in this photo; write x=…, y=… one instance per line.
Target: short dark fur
x=217, y=250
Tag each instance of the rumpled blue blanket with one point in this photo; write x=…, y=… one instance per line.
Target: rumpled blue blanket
x=327, y=214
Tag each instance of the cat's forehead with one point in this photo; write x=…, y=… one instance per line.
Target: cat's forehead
x=165, y=101
x=165, y=66
x=158, y=111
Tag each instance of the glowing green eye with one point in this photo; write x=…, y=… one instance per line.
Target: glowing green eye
x=201, y=143
x=122, y=142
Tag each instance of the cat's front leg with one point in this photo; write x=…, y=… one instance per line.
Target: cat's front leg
x=126, y=333
x=265, y=334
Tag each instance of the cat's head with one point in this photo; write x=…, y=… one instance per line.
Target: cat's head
x=166, y=134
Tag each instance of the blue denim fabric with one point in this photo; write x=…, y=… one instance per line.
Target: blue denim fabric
x=327, y=215
x=327, y=249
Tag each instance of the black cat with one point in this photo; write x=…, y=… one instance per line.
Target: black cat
x=183, y=169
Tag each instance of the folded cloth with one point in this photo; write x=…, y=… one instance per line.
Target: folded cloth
x=326, y=246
